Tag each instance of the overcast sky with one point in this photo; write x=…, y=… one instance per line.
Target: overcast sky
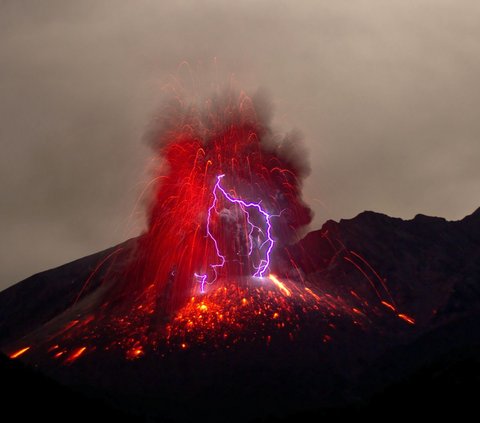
x=386, y=93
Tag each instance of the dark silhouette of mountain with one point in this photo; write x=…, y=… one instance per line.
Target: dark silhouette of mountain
x=445, y=385
x=28, y=392
x=416, y=288
x=431, y=265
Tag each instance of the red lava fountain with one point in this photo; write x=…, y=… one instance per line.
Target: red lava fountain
x=201, y=230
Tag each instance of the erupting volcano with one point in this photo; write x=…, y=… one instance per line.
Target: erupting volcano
x=215, y=267
x=222, y=289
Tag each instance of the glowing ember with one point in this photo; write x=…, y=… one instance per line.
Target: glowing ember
x=388, y=305
x=280, y=285
x=19, y=352
x=408, y=319
x=135, y=352
x=230, y=314
x=75, y=355
x=248, y=312
x=312, y=293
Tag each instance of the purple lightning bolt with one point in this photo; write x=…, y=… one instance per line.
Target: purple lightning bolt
x=244, y=206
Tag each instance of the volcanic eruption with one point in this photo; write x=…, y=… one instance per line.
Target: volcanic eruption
x=215, y=267
x=227, y=193
x=221, y=282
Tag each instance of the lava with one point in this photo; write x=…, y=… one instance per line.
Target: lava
x=19, y=352
x=233, y=313
x=281, y=285
x=76, y=354
x=408, y=319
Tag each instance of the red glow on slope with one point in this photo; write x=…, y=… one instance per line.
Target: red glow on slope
x=135, y=352
x=232, y=314
x=388, y=305
x=19, y=352
x=408, y=319
x=312, y=293
x=75, y=355
x=280, y=285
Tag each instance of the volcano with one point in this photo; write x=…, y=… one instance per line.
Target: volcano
x=366, y=304
x=221, y=310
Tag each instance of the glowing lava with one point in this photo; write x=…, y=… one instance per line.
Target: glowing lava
x=19, y=352
x=281, y=285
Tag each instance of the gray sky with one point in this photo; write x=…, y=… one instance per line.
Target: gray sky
x=386, y=93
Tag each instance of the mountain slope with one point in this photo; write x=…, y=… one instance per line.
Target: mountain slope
x=365, y=298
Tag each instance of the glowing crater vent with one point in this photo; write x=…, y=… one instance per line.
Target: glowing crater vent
x=265, y=247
